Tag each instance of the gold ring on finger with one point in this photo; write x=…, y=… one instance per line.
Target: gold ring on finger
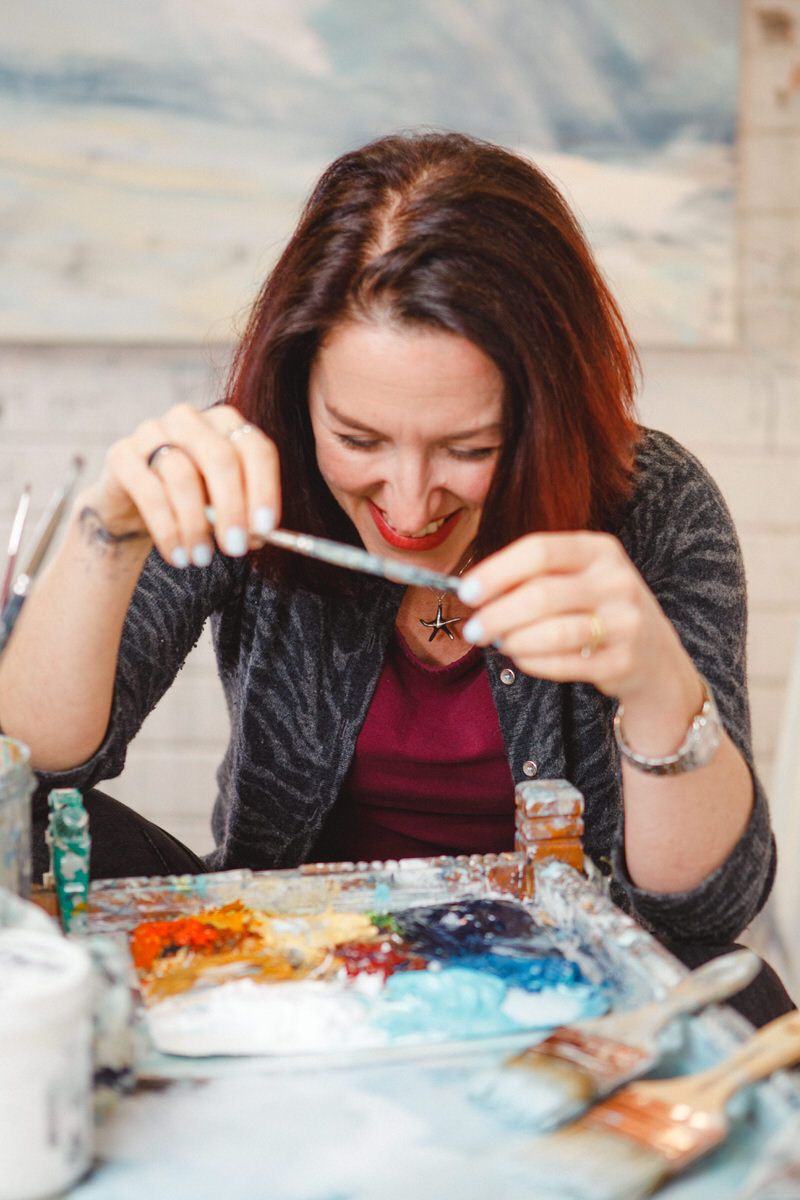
x=597, y=636
x=233, y=435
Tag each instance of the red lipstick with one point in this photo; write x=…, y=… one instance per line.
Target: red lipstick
x=430, y=542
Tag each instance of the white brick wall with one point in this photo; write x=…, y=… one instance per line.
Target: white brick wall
x=55, y=400
x=739, y=411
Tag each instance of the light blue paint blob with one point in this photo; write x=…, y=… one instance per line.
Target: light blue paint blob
x=382, y=897
x=471, y=1001
x=449, y=1003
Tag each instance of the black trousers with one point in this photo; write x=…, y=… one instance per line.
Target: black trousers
x=125, y=843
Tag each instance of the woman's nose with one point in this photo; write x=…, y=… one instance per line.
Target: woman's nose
x=410, y=500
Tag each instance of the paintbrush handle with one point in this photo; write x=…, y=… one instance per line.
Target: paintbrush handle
x=712, y=982
x=776, y=1045
x=9, y=616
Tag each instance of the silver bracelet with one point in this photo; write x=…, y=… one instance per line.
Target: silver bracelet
x=696, y=750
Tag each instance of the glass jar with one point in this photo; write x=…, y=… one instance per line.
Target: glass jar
x=16, y=786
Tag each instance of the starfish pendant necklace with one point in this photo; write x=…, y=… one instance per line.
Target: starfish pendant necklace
x=441, y=623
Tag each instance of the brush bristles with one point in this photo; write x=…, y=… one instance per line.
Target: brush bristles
x=581, y=1163
x=550, y=1083
x=536, y=1093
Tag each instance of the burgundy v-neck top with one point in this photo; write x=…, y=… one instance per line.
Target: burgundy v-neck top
x=430, y=773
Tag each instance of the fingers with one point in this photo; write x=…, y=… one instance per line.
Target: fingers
x=531, y=556
x=529, y=603
x=182, y=492
x=566, y=607
x=138, y=495
x=567, y=648
x=240, y=473
x=238, y=476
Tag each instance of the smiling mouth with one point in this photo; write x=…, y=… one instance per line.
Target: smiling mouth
x=431, y=527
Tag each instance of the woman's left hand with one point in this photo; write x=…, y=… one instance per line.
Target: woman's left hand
x=572, y=607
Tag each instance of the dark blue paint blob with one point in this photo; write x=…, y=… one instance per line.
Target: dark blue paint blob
x=472, y=927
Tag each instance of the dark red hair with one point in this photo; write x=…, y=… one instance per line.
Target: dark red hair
x=446, y=231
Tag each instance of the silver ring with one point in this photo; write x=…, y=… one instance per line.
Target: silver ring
x=159, y=452
x=234, y=434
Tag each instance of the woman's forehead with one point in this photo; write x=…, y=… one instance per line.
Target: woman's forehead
x=379, y=369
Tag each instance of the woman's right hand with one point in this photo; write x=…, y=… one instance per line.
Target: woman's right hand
x=215, y=458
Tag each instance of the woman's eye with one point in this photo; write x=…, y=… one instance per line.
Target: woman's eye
x=356, y=443
x=473, y=455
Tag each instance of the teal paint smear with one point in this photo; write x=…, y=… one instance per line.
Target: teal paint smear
x=70, y=843
x=382, y=897
x=461, y=1002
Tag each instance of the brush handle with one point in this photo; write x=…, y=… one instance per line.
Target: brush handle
x=714, y=981
x=9, y=616
x=776, y=1045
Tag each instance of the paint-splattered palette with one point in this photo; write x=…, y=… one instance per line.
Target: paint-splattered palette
x=324, y=961
x=364, y=958
x=234, y=980
x=322, y=1124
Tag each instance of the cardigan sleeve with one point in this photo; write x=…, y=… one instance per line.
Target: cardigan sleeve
x=681, y=536
x=164, y=621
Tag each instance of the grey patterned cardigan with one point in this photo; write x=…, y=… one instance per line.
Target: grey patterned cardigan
x=299, y=670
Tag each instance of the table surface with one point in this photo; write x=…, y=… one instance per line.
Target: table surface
x=306, y=1131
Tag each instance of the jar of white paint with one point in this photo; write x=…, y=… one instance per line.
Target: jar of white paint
x=45, y=1064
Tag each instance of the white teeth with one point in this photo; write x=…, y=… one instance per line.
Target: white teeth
x=426, y=532
x=434, y=525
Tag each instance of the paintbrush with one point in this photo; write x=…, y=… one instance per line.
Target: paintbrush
x=553, y=1081
x=13, y=543
x=45, y=532
x=631, y=1143
x=353, y=558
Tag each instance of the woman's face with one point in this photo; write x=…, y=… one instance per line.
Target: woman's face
x=407, y=430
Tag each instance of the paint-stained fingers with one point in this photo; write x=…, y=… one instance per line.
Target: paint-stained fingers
x=535, y=555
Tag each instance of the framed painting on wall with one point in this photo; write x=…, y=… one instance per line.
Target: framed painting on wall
x=154, y=157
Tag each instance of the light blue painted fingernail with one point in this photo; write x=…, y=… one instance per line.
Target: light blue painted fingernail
x=263, y=520
x=211, y=514
x=201, y=554
x=235, y=541
x=179, y=557
x=469, y=591
x=472, y=631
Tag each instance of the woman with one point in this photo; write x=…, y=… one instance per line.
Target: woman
x=435, y=369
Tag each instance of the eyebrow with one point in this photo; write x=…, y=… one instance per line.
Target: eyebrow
x=494, y=428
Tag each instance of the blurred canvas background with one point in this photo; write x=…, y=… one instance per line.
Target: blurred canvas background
x=155, y=155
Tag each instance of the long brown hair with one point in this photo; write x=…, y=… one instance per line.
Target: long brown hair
x=446, y=231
